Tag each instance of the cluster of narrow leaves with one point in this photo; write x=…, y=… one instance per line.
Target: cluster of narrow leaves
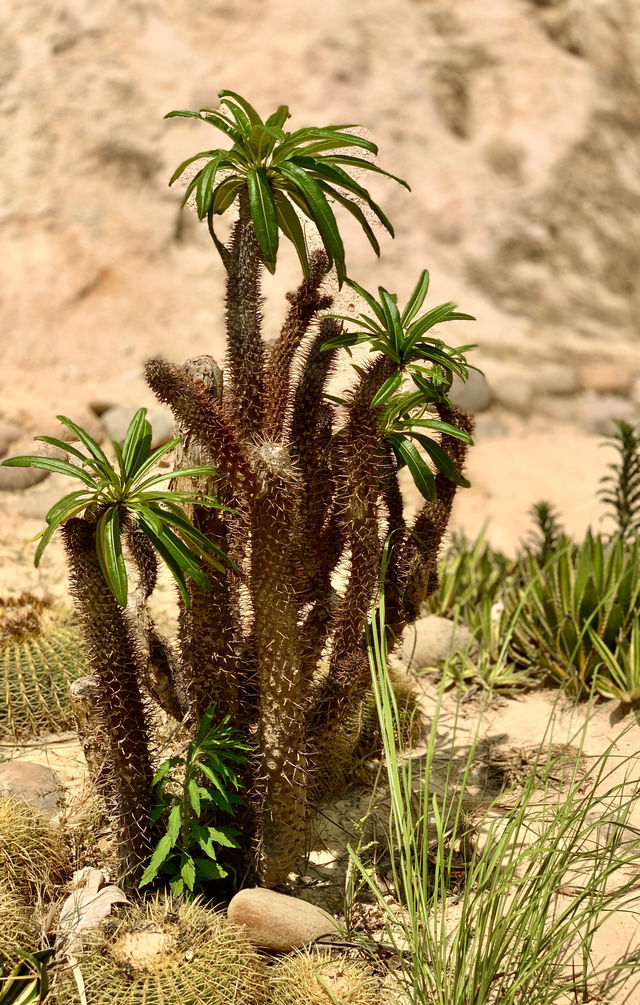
x=428, y=361
x=131, y=497
x=28, y=982
x=283, y=172
x=186, y=853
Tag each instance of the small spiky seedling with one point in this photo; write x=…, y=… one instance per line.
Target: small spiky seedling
x=34, y=857
x=164, y=952
x=18, y=929
x=621, y=489
x=40, y=657
x=314, y=978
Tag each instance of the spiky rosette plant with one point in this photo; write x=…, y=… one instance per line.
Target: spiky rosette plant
x=40, y=656
x=312, y=479
x=114, y=504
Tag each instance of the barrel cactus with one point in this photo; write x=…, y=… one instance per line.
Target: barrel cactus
x=40, y=657
x=19, y=929
x=312, y=978
x=34, y=857
x=165, y=952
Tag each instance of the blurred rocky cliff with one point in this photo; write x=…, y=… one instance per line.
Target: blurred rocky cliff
x=516, y=122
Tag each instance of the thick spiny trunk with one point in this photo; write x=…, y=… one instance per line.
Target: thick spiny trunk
x=113, y=656
x=245, y=387
x=282, y=767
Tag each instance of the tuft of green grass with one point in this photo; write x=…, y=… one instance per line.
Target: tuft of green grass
x=542, y=874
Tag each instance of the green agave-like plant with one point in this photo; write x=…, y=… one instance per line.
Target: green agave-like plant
x=581, y=593
x=124, y=502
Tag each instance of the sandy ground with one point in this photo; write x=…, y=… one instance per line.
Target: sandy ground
x=514, y=464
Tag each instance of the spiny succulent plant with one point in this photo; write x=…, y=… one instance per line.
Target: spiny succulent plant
x=41, y=655
x=128, y=502
x=318, y=978
x=164, y=952
x=19, y=929
x=311, y=478
x=309, y=483
x=34, y=857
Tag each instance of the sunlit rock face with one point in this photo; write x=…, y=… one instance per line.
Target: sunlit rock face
x=513, y=120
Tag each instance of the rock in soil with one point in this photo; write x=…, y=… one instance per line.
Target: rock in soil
x=275, y=921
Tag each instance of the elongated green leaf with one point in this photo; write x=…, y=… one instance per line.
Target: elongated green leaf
x=355, y=211
x=439, y=426
x=63, y=510
x=183, y=556
x=209, y=551
x=364, y=165
x=137, y=443
x=188, y=871
x=438, y=315
x=204, y=188
x=162, y=851
x=88, y=441
x=416, y=299
x=264, y=215
x=279, y=117
x=248, y=109
x=81, y=497
x=225, y=836
x=225, y=193
x=370, y=300
x=167, y=557
x=190, y=160
x=344, y=341
x=307, y=141
x=153, y=458
x=109, y=550
x=441, y=459
x=337, y=177
x=199, y=471
x=387, y=389
x=173, y=824
x=392, y=313
x=194, y=796
x=240, y=118
x=321, y=213
x=292, y=228
x=214, y=118
x=420, y=470
x=69, y=449
x=51, y=464
x=209, y=870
